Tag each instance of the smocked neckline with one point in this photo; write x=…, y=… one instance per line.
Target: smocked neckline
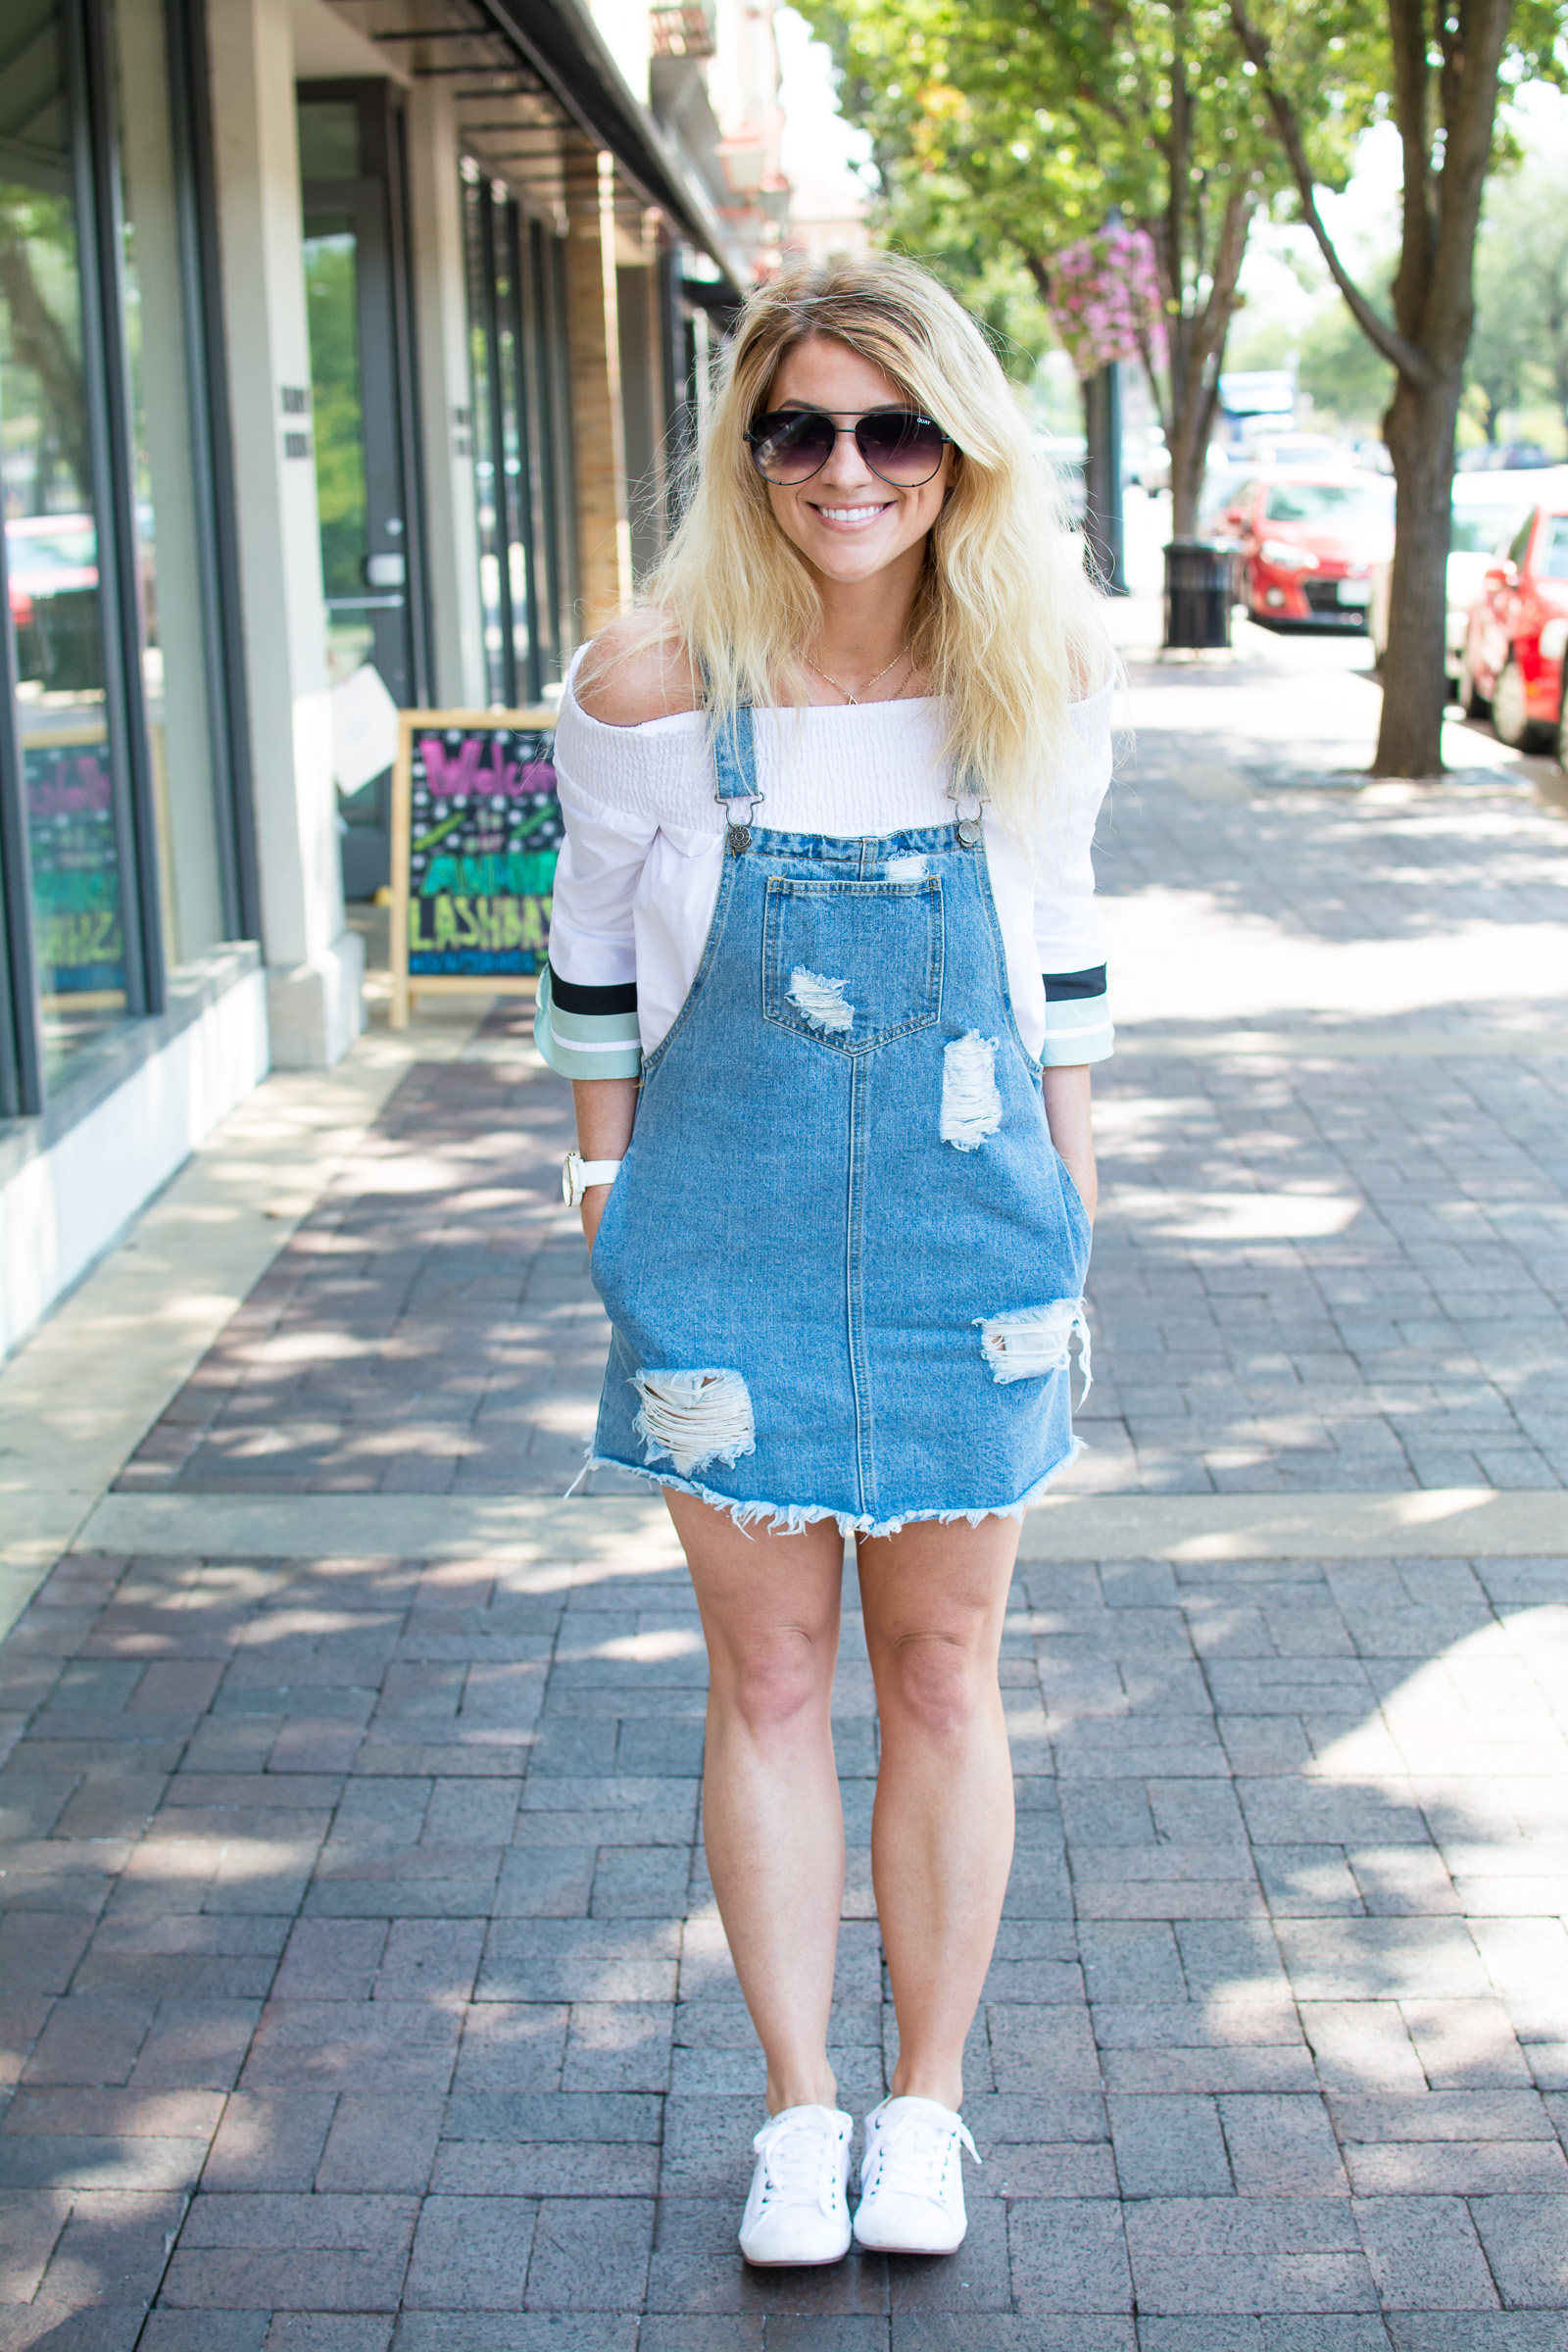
x=677, y=719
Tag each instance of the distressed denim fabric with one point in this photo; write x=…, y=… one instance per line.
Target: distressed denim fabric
x=842, y=1261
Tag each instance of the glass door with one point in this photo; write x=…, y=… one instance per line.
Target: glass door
x=361, y=388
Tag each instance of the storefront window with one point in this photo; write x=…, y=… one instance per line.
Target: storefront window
x=168, y=550
x=331, y=288
x=361, y=402
x=330, y=149
x=54, y=530
x=516, y=345
x=488, y=481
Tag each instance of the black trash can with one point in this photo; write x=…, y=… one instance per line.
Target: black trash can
x=1197, y=593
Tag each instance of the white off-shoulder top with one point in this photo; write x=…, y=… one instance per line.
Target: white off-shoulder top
x=639, y=871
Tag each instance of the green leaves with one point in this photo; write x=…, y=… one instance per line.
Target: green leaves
x=1040, y=114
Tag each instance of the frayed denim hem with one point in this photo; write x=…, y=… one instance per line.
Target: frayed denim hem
x=793, y=1518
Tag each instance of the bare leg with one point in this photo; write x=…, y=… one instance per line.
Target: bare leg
x=773, y=1820
x=935, y=1599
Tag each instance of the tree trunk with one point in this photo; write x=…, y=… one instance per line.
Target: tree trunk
x=1447, y=67
x=1198, y=352
x=1419, y=430
x=1191, y=427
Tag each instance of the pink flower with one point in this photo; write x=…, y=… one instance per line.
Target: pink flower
x=1104, y=299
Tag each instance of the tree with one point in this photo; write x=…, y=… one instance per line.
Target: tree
x=40, y=299
x=1339, y=368
x=1520, y=346
x=1498, y=363
x=1439, y=75
x=1024, y=120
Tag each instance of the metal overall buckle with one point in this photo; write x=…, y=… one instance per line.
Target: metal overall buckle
x=739, y=837
x=739, y=765
x=971, y=829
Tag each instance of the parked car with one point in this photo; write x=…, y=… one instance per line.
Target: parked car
x=1488, y=510
x=1505, y=457
x=1305, y=542
x=1517, y=637
x=52, y=584
x=48, y=554
x=1279, y=450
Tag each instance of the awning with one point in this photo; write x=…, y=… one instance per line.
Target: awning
x=551, y=50
x=560, y=40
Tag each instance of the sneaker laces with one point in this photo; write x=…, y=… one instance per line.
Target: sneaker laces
x=912, y=2153
x=800, y=2161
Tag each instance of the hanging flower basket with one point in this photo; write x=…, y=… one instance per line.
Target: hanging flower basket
x=1104, y=299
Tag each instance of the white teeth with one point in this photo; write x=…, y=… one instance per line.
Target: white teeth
x=848, y=514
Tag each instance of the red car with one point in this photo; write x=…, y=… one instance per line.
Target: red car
x=1517, y=636
x=48, y=554
x=1305, y=545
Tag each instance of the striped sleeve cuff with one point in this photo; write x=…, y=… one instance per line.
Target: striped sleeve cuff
x=588, y=1032
x=1077, y=1018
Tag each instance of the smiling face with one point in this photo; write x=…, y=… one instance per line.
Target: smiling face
x=847, y=522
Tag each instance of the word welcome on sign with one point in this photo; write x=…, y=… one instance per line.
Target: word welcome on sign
x=475, y=834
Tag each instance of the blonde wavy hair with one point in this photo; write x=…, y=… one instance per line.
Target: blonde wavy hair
x=1007, y=630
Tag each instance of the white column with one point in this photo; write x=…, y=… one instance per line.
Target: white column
x=314, y=963
x=446, y=396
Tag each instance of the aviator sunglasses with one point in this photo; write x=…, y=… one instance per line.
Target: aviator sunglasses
x=901, y=446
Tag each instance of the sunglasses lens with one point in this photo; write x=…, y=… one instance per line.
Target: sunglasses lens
x=791, y=445
x=901, y=447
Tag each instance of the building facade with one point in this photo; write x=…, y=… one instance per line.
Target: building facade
x=349, y=350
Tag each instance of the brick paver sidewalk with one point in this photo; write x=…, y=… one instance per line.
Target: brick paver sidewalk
x=363, y=1988
x=360, y=1949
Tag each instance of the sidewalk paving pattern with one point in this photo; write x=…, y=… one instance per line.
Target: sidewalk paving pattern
x=1315, y=1270
x=362, y=1987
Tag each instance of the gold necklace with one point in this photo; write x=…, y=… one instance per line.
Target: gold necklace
x=853, y=699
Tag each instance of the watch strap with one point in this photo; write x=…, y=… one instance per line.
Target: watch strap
x=579, y=1174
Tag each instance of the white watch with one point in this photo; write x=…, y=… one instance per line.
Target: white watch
x=578, y=1174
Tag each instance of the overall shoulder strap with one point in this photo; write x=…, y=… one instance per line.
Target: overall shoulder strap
x=734, y=757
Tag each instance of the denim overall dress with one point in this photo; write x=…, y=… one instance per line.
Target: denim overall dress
x=842, y=1261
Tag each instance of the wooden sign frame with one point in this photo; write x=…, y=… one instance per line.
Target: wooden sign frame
x=405, y=988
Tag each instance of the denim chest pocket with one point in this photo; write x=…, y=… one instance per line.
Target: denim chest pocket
x=853, y=964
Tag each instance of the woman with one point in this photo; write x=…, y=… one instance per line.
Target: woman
x=826, y=893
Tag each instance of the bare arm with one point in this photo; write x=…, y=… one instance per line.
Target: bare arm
x=605, y=1108
x=1072, y=1130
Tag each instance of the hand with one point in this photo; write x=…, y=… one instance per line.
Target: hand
x=1081, y=1168
x=593, y=1208
x=1067, y=1114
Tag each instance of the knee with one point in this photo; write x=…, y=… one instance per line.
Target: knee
x=937, y=1685
x=776, y=1681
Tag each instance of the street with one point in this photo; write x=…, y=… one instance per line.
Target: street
x=368, y=1995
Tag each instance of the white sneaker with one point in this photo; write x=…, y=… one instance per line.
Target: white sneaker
x=911, y=2179
x=798, y=2211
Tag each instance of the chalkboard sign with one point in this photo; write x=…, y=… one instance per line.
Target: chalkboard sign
x=73, y=843
x=476, y=833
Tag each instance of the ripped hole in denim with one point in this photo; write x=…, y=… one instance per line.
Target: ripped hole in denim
x=1034, y=1341
x=819, y=1001
x=694, y=1417
x=971, y=1107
